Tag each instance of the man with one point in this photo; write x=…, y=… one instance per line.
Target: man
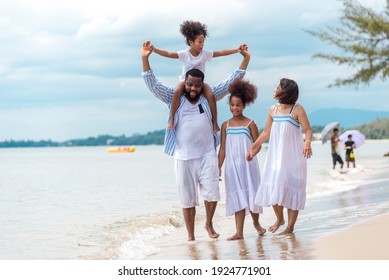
x=335, y=149
x=192, y=141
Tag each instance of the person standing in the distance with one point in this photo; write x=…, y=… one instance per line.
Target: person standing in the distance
x=349, y=146
x=284, y=175
x=195, y=56
x=192, y=141
x=335, y=149
x=241, y=177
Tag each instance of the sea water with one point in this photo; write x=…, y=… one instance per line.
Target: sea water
x=86, y=203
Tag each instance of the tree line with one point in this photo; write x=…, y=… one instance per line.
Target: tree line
x=378, y=129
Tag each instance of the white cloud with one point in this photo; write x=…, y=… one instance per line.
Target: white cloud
x=72, y=68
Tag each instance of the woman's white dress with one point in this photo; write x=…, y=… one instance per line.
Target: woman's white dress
x=241, y=177
x=284, y=175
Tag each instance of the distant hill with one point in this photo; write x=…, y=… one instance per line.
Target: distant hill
x=378, y=129
x=347, y=117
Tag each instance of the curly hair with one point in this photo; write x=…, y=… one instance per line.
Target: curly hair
x=289, y=92
x=244, y=90
x=191, y=29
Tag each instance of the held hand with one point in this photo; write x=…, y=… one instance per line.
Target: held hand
x=251, y=153
x=244, y=51
x=242, y=47
x=147, y=49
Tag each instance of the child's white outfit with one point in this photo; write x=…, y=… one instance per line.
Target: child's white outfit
x=241, y=177
x=284, y=174
x=189, y=61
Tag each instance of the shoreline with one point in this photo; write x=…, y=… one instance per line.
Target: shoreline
x=348, y=225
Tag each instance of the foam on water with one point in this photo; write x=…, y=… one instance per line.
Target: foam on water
x=127, y=239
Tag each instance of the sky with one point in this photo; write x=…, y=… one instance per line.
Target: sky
x=71, y=69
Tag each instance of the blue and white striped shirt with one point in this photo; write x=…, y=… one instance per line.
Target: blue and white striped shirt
x=165, y=93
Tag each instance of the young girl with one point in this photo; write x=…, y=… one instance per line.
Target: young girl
x=241, y=177
x=284, y=173
x=194, y=57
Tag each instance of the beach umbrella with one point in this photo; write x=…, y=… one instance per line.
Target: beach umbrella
x=358, y=137
x=328, y=131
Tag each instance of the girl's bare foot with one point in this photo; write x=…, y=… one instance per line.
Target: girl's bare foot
x=275, y=227
x=287, y=231
x=235, y=237
x=260, y=230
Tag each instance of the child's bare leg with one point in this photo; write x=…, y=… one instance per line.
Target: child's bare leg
x=208, y=93
x=239, y=223
x=176, y=99
x=257, y=225
x=292, y=218
x=279, y=211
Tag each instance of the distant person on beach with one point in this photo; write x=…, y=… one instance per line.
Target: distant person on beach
x=335, y=149
x=349, y=146
x=284, y=175
x=241, y=177
x=193, y=141
x=195, y=56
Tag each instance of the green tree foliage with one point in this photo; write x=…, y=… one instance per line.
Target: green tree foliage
x=378, y=129
x=364, y=36
x=150, y=138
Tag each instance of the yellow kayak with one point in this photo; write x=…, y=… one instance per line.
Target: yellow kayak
x=121, y=149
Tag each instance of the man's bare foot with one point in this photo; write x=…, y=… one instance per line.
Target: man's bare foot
x=277, y=224
x=211, y=232
x=191, y=238
x=235, y=237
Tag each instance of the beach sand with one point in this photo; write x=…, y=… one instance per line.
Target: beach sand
x=367, y=240
x=349, y=225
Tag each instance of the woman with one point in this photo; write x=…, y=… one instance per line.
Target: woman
x=284, y=176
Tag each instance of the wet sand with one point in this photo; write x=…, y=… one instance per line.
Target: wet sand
x=351, y=224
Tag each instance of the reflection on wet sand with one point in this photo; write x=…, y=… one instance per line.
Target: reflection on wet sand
x=260, y=251
x=289, y=247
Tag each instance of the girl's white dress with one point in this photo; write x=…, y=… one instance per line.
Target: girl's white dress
x=241, y=177
x=284, y=175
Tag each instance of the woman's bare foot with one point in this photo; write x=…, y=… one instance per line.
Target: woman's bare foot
x=235, y=237
x=211, y=231
x=275, y=227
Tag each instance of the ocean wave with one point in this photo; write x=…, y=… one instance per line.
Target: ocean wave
x=127, y=239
